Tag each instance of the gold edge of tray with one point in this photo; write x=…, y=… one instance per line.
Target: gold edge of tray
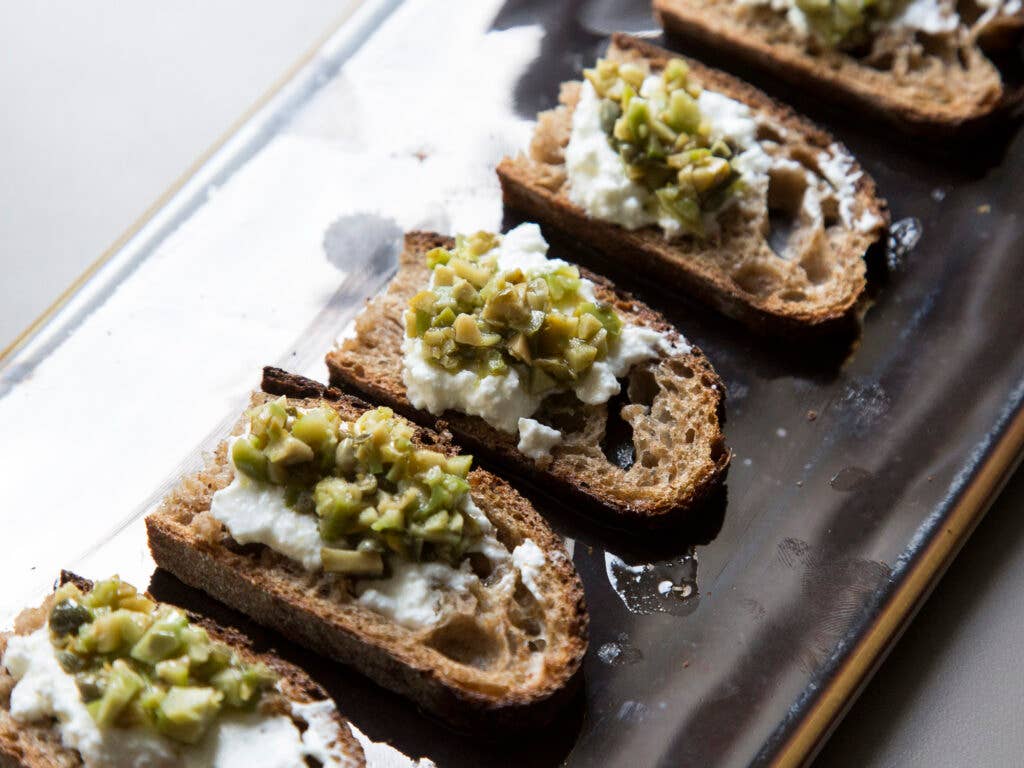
x=47, y=314
x=812, y=731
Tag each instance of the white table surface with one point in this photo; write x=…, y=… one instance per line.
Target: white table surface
x=105, y=105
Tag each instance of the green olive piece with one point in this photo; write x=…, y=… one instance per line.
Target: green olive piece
x=353, y=562
x=185, y=714
x=249, y=459
x=122, y=683
x=845, y=24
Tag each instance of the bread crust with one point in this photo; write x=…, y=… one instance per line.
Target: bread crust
x=662, y=488
x=834, y=75
x=826, y=309
x=38, y=745
x=306, y=607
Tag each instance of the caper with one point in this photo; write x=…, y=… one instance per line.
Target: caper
x=67, y=616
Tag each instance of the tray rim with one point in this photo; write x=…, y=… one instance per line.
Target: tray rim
x=871, y=649
x=832, y=703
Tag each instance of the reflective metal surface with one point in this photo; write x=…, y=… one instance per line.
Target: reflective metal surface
x=708, y=647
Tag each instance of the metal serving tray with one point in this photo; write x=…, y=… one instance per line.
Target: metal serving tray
x=858, y=472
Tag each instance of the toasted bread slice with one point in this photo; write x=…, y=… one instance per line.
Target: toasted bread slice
x=937, y=83
x=675, y=410
x=812, y=288
x=505, y=662
x=38, y=745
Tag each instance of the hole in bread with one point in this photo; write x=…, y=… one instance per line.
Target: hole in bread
x=933, y=45
x=803, y=155
x=786, y=187
x=859, y=50
x=464, y=641
x=537, y=645
x=883, y=61
x=756, y=279
x=829, y=210
x=961, y=55
x=642, y=386
x=793, y=296
x=767, y=132
x=817, y=265
x=563, y=412
x=526, y=610
x=617, y=442
x=648, y=460
x=781, y=226
x=525, y=613
x=690, y=434
x=680, y=368
x=481, y=565
x=969, y=11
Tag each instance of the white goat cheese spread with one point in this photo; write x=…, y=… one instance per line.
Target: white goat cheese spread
x=536, y=440
x=837, y=167
x=529, y=559
x=415, y=595
x=929, y=16
x=598, y=182
x=503, y=400
x=238, y=740
x=256, y=513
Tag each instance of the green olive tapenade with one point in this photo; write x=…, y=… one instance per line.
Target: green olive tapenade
x=372, y=490
x=140, y=664
x=664, y=141
x=476, y=316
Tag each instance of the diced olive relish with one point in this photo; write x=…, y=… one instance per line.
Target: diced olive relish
x=371, y=489
x=845, y=23
x=478, y=317
x=140, y=664
x=664, y=140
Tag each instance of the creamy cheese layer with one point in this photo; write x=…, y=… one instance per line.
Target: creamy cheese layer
x=255, y=512
x=598, y=182
x=238, y=740
x=932, y=17
x=502, y=401
x=529, y=559
x=536, y=440
x=414, y=595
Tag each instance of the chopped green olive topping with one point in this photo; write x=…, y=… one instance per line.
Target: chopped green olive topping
x=845, y=23
x=139, y=664
x=372, y=490
x=480, y=318
x=664, y=141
